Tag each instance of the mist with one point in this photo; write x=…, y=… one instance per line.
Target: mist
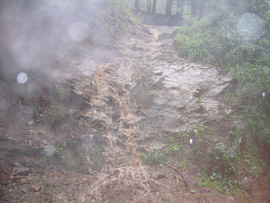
x=36, y=33
x=134, y=101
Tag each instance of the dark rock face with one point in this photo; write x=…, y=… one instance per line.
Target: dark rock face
x=186, y=94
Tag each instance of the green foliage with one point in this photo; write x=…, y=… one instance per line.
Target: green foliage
x=56, y=113
x=165, y=57
x=207, y=40
x=251, y=160
x=257, y=123
x=155, y=158
x=58, y=107
x=193, y=48
x=216, y=157
x=215, y=39
x=61, y=147
x=217, y=160
x=217, y=181
x=120, y=18
x=254, y=81
x=160, y=156
x=222, y=161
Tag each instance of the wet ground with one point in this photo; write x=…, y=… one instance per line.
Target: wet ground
x=81, y=142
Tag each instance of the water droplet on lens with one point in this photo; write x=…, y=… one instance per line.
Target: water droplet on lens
x=251, y=26
x=49, y=150
x=22, y=77
x=79, y=31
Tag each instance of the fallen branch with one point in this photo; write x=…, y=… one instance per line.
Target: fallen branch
x=183, y=177
x=245, y=169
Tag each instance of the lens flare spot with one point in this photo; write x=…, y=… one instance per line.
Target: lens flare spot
x=79, y=31
x=49, y=150
x=251, y=27
x=22, y=78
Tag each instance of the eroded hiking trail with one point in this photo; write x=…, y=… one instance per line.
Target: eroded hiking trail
x=118, y=106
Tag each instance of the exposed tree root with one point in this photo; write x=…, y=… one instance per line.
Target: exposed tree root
x=183, y=177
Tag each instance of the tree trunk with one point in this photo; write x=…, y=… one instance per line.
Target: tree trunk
x=193, y=8
x=200, y=8
x=148, y=6
x=180, y=9
x=154, y=6
x=169, y=8
x=197, y=8
x=257, y=6
x=136, y=4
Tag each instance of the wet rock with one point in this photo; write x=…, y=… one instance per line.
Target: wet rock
x=29, y=177
x=44, y=141
x=185, y=91
x=23, y=180
x=20, y=170
x=30, y=143
x=228, y=112
x=30, y=123
x=157, y=175
x=24, y=190
x=35, y=188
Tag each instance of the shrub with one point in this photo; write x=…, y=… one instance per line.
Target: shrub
x=215, y=40
x=155, y=158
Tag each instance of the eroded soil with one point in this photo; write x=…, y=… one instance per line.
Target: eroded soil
x=118, y=102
